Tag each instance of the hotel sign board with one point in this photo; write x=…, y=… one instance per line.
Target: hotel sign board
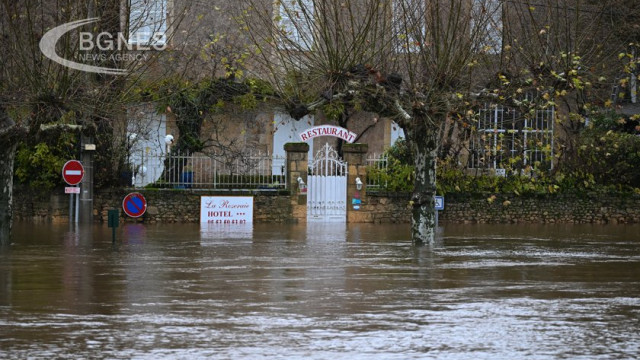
x=328, y=130
x=226, y=210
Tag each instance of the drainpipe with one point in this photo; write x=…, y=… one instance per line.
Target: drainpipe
x=86, y=188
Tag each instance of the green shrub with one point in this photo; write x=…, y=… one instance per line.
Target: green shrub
x=398, y=174
x=610, y=157
x=609, y=161
x=40, y=165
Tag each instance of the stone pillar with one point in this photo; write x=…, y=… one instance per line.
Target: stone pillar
x=297, y=167
x=354, y=155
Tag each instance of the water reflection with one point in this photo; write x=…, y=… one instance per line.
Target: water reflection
x=320, y=291
x=225, y=232
x=134, y=234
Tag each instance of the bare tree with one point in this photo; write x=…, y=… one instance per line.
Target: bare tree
x=425, y=62
x=410, y=60
x=42, y=99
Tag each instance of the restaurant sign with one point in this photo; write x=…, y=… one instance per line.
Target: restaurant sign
x=328, y=130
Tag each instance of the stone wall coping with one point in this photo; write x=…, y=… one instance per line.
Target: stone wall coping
x=355, y=148
x=296, y=147
x=231, y=192
x=568, y=195
x=389, y=194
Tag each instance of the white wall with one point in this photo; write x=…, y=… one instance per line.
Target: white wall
x=396, y=133
x=287, y=130
x=148, y=147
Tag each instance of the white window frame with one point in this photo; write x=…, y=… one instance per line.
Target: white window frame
x=495, y=137
x=297, y=34
x=148, y=22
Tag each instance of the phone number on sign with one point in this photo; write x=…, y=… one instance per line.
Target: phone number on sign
x=226, y=221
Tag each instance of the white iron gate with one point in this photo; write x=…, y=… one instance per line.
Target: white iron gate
x=327, y=187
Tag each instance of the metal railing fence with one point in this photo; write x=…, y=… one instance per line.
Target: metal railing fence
x=250, y=170
x=376, y=167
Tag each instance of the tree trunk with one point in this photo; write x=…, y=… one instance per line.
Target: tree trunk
x=7, y=155
x=424, y=145
x=10, y=135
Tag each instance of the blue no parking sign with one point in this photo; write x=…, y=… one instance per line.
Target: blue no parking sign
x=134, y=205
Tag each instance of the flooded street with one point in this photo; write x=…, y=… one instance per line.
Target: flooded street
x=320, y=292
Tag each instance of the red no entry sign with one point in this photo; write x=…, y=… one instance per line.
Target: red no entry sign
x=73, y=172
x=134, y=205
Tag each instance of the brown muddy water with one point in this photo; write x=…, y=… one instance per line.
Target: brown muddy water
x=320, y=292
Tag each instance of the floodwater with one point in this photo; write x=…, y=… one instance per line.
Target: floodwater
x=320, y=292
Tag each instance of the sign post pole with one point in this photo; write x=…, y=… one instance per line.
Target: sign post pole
x=72, y=174
x=70, y=208
x=113, y=221
x=77, y=195
x=439, y=206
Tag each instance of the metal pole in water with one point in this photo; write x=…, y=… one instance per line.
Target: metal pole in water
x=71, y=209
x=77, y=207
x=113, y=220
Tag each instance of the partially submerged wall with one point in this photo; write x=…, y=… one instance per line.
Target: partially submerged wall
x=183, y=206
x=163, y=206
x=588, y=208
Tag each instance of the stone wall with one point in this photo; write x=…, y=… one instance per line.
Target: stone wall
x=385, y=207
x=557, y=208
x=163, y=206
x=28, y=206
x=168, y=206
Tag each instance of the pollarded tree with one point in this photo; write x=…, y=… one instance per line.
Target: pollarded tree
x=314, y=52
x=414, y=61
x=424, y=62
x=568, y=56
x=447, y=49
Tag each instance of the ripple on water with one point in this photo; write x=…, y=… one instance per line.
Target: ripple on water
x=364, y=293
